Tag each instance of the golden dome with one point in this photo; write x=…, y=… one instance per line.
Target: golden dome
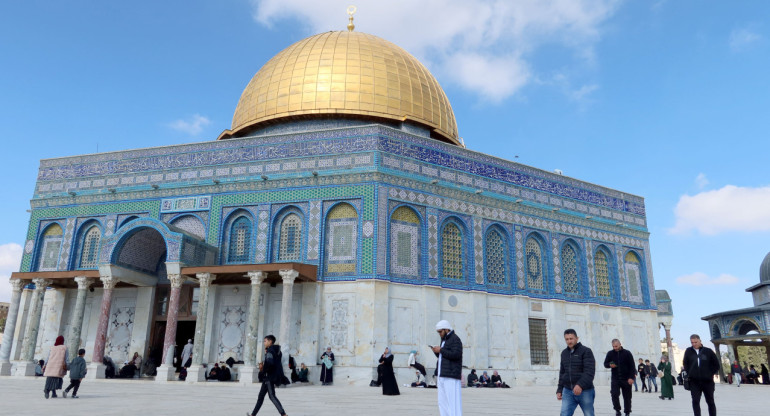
x=344, y=73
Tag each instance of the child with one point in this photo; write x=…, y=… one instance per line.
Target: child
x=77, y=373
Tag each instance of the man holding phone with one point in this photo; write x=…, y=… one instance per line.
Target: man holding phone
x=450, y=365
x=621, y=361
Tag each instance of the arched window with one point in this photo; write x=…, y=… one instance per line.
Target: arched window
x=89, y=249
x=191, y=224
x=570, y=270
x=49, y=255
x=290, y=241
x=452, y=252
x=496, y=249
x=405, y=243
x=535, y=264
x=341, y=239
x=602, y=271
x=239, y=247
x=633, y=274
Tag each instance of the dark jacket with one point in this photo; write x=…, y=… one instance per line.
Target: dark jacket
x=77, y=368
x=273, y=367
x=577, y=368
x=642, y=370
x=652, y=371
x=624, y=362
x=708, y=367
x=451, y=356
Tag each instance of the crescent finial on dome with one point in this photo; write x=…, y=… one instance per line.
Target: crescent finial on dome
x=351, y=12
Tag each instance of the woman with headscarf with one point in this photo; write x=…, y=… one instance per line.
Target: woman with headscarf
x=765, y=375
x=389, y=383
x=327, y=362
x=666, y=384
x=55, y=367
x=413, y=362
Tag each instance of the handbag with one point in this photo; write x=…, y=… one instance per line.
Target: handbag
x=685, y=380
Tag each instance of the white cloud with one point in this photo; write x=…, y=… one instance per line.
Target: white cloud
x=194, y=125
x=731, y=208
x=742, y=38
x=701, y=181
x=702, y=279
x=483, y=46
x=10, y=259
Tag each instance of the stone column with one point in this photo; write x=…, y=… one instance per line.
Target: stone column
x=248, y=373
x=196, y=372
x=722, y=377
x=73, y=343
x=96, y=368
x=670, y=347
x=27, y=366
x=10, y=326
x=166, y=370
x=288, y=277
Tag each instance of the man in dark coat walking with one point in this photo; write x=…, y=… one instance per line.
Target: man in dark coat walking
x=272, y=374
x=621, y=361
x=701, y=365
x=576, y=377
x=450, y=367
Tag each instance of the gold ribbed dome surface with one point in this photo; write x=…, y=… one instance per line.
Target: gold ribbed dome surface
x=345, y=73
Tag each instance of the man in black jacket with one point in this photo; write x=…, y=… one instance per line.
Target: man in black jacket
x=576, y=377
x=621, y=361
x=272, y=374
x=701, y=365
x=450, y=367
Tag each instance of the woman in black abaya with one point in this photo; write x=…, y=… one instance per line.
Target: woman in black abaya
x=389, y=384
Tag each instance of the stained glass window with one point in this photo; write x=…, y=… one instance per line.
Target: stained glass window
x=633, y=272
x=602, y=270
x=452, y=252
x=89, y=251
x=404, y=242
x=495, y=258
x=535, y=275
x=51, y=244
x=240, y=241
x=341, y=241
x=538, y=341
x=290, y=241
x=569, y=270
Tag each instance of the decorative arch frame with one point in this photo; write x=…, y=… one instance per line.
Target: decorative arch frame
x=226, y=235
x=581, y=271
x=393, y=243
x=716, y=333
x=737, y=323
x=182, y=215
x=128, y=220
x=41, y=243
x=612, y=274
x=276, y=226
x=346, y=265
x=544, y=264
x=77, y=255
x=464, y=257
x=506, y=256
x=644, y=293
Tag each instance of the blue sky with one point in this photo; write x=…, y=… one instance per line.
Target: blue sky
x=663, y=99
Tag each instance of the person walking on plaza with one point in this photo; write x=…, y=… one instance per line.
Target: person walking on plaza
x=701, y=365
x=621, y=361
x=642, y=370
x=187, y=354
x=272, y=372
x=666, y=386
x=652, y=376
x=736, y=371
x=77, y=373
x=576, y=377
x=389, y=383
x=449, y=368
x=55, y=367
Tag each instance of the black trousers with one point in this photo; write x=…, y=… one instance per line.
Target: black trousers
x=705, y=387
x=616, y=387
x=74, y=385
x=269, y=389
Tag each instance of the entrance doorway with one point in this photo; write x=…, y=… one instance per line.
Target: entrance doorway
x=184, y=330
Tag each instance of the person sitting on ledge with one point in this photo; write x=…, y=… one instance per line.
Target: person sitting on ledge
x=214, y=373
x=420, y=381
x=497, y=381
x=127, y=371
x=303, y=373
x=473, y=379
x=39, y=368
x=224, y=373
x=484, y=380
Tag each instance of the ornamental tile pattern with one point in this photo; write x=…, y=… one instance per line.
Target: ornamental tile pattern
x=590, y=269
x=496, y=254
x=570, y=270
x=519, y=250
x=556, y=265
x=535, y=275
x=433, y=245
x=621, y=275
x=314, y=231
x=263, y=222
x=66, y=247
x=478, y=250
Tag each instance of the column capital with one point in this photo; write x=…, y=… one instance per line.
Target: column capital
x=288, y=276
x=257, y=277
x=40, y=283
x=18, y=284
x=176, y=280
x=205, y=279
x=109, y=282
x=83, y=282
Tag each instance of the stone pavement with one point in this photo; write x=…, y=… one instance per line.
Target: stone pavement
x=24, y=396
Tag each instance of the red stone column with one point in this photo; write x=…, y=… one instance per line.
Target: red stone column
x=171, y=319
x=109, y=283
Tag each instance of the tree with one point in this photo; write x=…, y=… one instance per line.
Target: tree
x=751, y=354
x=2, y=324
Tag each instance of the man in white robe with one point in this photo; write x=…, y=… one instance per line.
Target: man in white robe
x=187, y=352
x=449, y=367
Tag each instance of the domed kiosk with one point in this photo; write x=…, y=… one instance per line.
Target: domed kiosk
x=339, y=209
x=748, y=326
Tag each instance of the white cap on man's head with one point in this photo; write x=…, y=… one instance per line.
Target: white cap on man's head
x=443, y=324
